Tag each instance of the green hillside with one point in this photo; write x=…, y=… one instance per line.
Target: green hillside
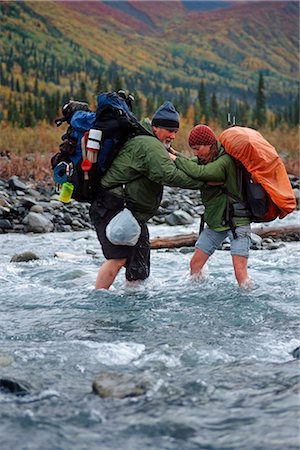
x=51, y=51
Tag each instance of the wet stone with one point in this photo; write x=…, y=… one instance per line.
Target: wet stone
x=296, y=353
x=5, y=224
x=119, y=385
x=12, y=386
x=6, y=359
x=24, y=257
x=275, y=245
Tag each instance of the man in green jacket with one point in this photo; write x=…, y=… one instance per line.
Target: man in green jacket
x=216, y=169
x=137, y=175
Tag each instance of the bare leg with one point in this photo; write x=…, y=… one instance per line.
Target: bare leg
x=240, y=264
x=198, y=260
x=108, y=272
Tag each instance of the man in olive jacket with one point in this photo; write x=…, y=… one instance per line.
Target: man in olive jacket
x=217, y=170
x=137, y=175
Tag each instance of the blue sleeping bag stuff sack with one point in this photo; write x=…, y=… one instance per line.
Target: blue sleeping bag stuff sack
x=92, y=141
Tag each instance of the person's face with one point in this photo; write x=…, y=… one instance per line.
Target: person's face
x=204, y=153
x=165, y=136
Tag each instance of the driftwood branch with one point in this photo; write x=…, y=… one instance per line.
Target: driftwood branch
x=289, y=233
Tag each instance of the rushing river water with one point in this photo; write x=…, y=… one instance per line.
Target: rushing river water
x=216, y=359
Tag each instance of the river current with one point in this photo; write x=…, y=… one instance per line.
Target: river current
x=216, y=359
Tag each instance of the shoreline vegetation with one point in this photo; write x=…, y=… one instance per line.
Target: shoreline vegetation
x=26, y=152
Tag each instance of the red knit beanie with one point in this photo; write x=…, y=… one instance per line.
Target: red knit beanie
x=201, y=135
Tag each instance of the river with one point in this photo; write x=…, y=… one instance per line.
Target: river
x=216, y=359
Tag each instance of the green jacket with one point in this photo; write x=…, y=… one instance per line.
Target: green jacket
x=144, y=166
x=222, y=169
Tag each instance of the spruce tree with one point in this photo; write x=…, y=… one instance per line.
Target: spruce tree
x=82, y=93
x=260, y=106
x=296, y=107
x=12, y=111
x=203, y=103
x=99, y=87
x=214, y=106
x=36, y=87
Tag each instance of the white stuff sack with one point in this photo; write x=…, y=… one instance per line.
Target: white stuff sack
x=123, y=229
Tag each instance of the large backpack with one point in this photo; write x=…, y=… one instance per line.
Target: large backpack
x=265, y=181
x=92, y=141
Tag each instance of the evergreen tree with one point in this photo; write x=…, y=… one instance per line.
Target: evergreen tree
x=36, y=87
x=184, y=101
x=99, y=85
x=12, y=83
x=38, y=109
x=214, y=106
x=72, y=88
x=150, y=106
x=296, y=110
x=260, y=106
x=3, y=80
x=197, y=109
x=203, y=113
x=29, y=118
x=137, y=107
x=118, y=84
x=18, y=87
x=12, y=111
x=82, y=95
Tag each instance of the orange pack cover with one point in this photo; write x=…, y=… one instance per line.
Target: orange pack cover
x=263, y=162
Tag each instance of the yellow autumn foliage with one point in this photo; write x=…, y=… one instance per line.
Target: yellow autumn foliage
x=27, y=152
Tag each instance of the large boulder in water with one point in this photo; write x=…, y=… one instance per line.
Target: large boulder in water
x=14, y=387
x=24, y=257
x=6, y=359
x=119, y=385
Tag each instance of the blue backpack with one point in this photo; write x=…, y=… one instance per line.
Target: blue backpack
x=92, y=141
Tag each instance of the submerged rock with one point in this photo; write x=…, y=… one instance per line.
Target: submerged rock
x=256, y=241
x=119, y=385
x=296, y=353
x=6, y=359
x=24, y=257
x=14, y=387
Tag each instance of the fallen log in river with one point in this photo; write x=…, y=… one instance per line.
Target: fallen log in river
x=288, y=233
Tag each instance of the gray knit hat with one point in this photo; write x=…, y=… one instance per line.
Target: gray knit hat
x=166, y=116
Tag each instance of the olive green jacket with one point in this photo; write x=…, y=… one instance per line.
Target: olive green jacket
x=223, y=170
x=144, y=166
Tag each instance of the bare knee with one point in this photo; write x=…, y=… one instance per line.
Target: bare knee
x=120, y=262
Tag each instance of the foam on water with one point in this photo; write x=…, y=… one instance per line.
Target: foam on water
x=218, y=358
x=116, y=353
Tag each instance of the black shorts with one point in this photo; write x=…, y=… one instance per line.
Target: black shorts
x=137, y=265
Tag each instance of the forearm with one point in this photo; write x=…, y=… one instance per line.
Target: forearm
x=213, y=171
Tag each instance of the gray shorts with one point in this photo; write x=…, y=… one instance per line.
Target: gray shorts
x=209, y=240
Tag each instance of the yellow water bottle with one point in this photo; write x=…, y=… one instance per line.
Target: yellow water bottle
x=66, y=192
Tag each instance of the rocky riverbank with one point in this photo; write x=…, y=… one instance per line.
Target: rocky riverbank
x=25, y=208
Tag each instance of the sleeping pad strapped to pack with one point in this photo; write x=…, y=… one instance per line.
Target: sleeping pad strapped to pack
x=262, y=161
